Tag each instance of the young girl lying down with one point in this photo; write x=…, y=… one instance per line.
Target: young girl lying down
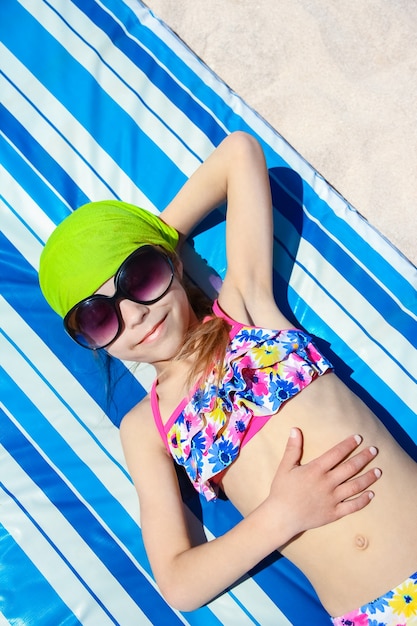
x=242, y=400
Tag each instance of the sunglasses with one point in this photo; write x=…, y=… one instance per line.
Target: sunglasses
x=144, y=277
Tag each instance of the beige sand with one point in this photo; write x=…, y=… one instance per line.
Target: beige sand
x=337, y=78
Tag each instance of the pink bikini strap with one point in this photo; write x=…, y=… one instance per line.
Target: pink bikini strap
x=157, y=414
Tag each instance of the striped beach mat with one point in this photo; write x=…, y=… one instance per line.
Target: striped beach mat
x=99, y=99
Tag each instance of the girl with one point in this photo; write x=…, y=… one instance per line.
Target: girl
x=226, y=395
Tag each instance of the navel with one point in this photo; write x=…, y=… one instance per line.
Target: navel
x=361, y=542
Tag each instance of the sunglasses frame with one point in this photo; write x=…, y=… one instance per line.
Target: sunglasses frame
x=119, y=294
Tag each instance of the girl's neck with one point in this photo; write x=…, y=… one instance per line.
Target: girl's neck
x=172, y=385
x=173, y=369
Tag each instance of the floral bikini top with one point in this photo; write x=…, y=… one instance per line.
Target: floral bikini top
x=262, y=369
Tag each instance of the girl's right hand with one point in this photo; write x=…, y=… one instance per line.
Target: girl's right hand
x=325, y=489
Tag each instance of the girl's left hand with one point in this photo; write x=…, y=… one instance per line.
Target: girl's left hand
x=325, y=489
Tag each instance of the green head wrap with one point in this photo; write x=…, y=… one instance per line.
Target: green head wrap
x=89, y=246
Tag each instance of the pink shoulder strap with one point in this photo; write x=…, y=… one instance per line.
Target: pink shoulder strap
x=218, y=312
x=157, y=414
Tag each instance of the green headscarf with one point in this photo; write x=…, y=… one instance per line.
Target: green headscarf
x=89, y=246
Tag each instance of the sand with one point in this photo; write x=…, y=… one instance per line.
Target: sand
x=336, y=78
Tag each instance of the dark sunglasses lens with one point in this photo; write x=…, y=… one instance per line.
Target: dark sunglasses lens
x=146, y=276
x=94, y=323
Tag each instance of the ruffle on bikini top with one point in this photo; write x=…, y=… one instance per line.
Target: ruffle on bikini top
x=262, y=370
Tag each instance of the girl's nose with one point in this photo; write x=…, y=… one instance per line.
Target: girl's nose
x=133, y=313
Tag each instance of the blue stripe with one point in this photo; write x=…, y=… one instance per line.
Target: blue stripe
x=379, y=266
x=86, y=525
x=48, y=66
x=290, y=192
x=293, y=591
x=58, y=551
x=64, y=457
x=84, y=365
x=52, y=60
x=374, y=295
x=373, y=292
x=186, y=89
x=330, y=235
x=134, y=50
x=189, y=81
x=287, y=234
x=40, y=164
x=28, y=596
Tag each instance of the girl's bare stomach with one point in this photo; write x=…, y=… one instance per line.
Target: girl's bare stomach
x=364, y=555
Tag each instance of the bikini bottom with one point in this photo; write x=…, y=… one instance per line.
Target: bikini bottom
x=398, y=607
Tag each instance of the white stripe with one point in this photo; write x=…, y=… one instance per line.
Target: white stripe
x=348, y=328
x=348, y=297
x=71, y=487
x=29, y=246
x=257, y=125
x=22, y=202
x=73, y=547
x=356, y=304
x=256, y=602
x=74, y=158
x=364, y=229
x=375, y=279
x=119, y=90
x=156, y=99
x=259, y=604
x=162, y=32
x=50, y=404
x=202, y=71
x=253, y=598
x=44, y=181
x=82, y=500
x=65, y=385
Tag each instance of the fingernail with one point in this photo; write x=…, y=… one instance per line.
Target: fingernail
x=373, y=450
x=377, y=472
x=293, y=433
x=358, y=439
x=371, y=495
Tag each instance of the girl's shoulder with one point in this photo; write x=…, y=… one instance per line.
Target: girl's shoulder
x=139, y=411
x=139, y=424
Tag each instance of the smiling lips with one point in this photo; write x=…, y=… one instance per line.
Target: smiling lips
x=154, y=333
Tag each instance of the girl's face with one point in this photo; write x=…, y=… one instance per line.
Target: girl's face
x=152, y=333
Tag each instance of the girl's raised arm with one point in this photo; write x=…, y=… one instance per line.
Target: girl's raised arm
x=235, y=172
